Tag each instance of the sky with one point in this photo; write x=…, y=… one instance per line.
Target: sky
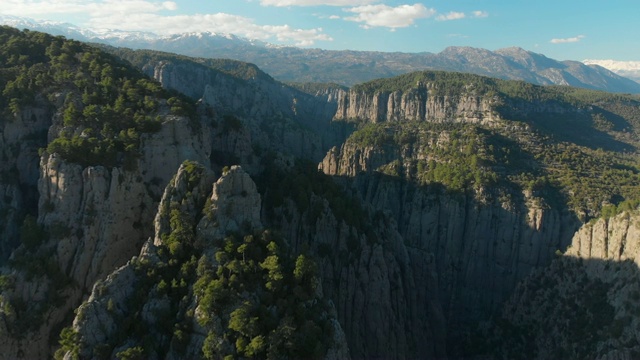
x=560, y=29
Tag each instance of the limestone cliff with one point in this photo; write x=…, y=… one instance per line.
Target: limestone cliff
x=104, y=214
x=99, y=320
x=21, y=134
x=614, y=239
x=381, y=289
x=420, y=103
x=449, y=98
x=585, y=304
x=483, y=240
x=277, y=116
x=452, y=191
x=233, y=207
x=96, y=218
x=385, y=293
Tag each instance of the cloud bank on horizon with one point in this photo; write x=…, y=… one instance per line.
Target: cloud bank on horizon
x=165, y=18
x=566, y=31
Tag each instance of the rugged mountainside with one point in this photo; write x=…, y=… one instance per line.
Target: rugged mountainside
x=512, y=196
x=352, y=67
x=585, y=304
x=218, y=212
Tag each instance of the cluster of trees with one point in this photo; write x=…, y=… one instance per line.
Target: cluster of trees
x=463, y=156
x=270, y=298
x=253, y=296
x=107, y=105
x=171, y=274
x=442, y=83
x=454, y=83
x=300, y=184
x=457, y=156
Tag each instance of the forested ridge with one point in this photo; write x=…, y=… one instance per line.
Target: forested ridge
x=586, y=150
x=105, y=104
x=408, y=240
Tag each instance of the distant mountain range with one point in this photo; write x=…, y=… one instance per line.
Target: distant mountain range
x=291, y=64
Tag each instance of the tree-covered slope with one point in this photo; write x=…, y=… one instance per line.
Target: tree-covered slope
x=105, y=105
x=438, y=195
x=75, y=127
x=493, y=177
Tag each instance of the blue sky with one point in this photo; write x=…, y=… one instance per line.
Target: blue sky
x=561, y=29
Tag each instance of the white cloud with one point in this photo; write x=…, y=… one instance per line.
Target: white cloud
x=454, y=15
x=480, y=14
x=300, y=37
x=334, y=17
x=386, y=16
x=316, y=2
x=629, y=69
x=145, y=15
x=170, y=5
x=567, y=40
x=615, y=65
x=451, y=16
x=92, y=8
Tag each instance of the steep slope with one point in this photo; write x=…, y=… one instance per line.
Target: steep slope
x=114, y=138
x=491, y=177
x=449, y=190
x=293, y=121
x=518, y=64
x=628, y=69
x=242, y=266
x=98, y=172
x=213, y=283
x=585, y=304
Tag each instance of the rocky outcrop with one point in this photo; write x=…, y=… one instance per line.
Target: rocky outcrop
x=613, y=239
x=277, y=116
x=100, y=318
x=102, y=216
x=385, y=293
x=94, y=216
x=417, y=104
x=483, y=241
x=235, y=204
x=426, y=101
x=96, y=219
x=98, y=325
x=585, y=304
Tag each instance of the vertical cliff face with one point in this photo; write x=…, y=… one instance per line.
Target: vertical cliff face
x=585, y=304
x=233, y=207
x=417, y=104
x=613, y=239
x=101, y=215
x=481, y=249
x=96, y=219
x=276, y=116
x=94, y=215
x=385, y=293
x=483, y=240
x=429, y=232
x=21, y=134
x=115, y=297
